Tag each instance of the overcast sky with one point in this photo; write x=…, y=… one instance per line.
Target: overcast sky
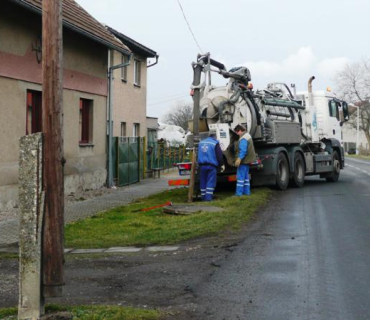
x=282, y=41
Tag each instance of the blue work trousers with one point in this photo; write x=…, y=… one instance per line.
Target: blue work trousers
x=243, y=186
x=208, y=179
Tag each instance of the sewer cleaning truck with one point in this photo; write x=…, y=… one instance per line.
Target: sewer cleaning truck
x=295, y=134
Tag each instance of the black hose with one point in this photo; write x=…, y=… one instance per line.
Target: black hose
x=213, y=62
x=249, y=95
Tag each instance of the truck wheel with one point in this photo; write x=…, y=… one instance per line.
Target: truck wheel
x=299, y=171
x=282, y=172
x=334, y=176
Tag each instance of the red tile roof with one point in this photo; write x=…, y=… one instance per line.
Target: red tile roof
x=77, y=18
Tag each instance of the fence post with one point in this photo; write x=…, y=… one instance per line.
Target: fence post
x=117, y=159
x=128, y=160
x=144, y=158
x=31, y=201
x=164, y=157
x=138, y=156
x=169, y=158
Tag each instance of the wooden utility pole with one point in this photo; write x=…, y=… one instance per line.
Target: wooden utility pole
x=52, y=87
x=197, y=68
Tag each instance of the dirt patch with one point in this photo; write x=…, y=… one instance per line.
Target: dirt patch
x=146, y=280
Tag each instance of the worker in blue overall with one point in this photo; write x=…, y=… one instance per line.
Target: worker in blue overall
x=245, y=154
x=209, y=159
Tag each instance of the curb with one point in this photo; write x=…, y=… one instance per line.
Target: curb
x=107, y=250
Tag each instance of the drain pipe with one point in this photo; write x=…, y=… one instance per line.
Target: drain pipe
x=154, y=63
x=110, y=126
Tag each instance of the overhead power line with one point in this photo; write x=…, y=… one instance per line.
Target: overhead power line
x=171, y=96
x=169, y=100
x=187, y=22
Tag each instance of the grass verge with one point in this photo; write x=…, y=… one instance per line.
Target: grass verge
x=127, y=226
x=93, y=313
x=358, y=156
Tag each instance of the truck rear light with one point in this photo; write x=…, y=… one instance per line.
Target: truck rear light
x=231, y=178
x=184, y=168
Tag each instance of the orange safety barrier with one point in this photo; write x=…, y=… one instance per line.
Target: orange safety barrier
x=178, y=182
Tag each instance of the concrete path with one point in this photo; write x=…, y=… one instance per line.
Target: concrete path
x=87, y=208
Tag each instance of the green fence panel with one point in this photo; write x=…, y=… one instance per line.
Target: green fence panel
x=123, y=161
x=114, y=159
x=129, y=158
x=133, y=160
x=141, y=157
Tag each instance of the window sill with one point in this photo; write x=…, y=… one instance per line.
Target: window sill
x=124, y=80
x=137, y=85
x=84, y=145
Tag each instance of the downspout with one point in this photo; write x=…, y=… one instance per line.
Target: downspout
x=110, y=126
x=154, y=63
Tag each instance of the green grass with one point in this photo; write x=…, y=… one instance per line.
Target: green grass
x=358, y=156
x=93, y=313
x=126, y=226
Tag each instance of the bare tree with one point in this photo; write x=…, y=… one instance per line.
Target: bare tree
x=354, y=86
x=180, y=115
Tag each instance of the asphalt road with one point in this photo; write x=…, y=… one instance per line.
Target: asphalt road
x=309, y=259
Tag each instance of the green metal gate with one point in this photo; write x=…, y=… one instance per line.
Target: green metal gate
x=129, y=158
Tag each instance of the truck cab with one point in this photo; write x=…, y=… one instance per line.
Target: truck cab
x=330, y=111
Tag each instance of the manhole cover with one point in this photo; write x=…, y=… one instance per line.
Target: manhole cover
x=189, y=209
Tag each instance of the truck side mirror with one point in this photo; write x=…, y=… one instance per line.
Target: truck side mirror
x=345, y=111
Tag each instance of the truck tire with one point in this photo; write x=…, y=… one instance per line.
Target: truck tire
x=334, y=176
x=282, y=172
x=299, y=171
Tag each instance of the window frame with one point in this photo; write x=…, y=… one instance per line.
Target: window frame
x=136, y=129
x=123, y=129
x=86, y=121
x=137, y=72
x=33, y=111
x=124, y=70
x=333, y=103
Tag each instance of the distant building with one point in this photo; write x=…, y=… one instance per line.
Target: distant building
x=152, y=129
x=349, y=140
x=130, y=88
x=350, y=134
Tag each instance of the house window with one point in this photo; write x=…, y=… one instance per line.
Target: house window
x=123, y=129
x=136, y=130
x=124, y=69
x=34, y=112
x=86, y=117
x=137, y=72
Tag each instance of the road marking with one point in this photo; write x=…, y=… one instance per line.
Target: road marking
x=363, y=171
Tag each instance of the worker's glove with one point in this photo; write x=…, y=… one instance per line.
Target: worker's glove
x=222, y=168
x=237, y=162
